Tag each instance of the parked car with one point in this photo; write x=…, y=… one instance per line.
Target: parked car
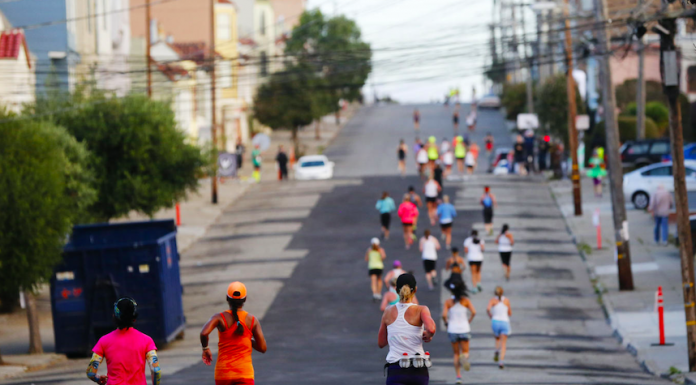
x=314, y=167
x=640, y=185
x=640, y=153
x=689, y=153
x=489, y=101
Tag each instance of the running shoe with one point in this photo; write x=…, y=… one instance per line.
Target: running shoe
x=464, y=362
x=495, y=356
x=501, y=366
x=459, y=380
x=479, y=287
x=474, y=291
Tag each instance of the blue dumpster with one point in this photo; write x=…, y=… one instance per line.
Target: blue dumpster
x=104, y=262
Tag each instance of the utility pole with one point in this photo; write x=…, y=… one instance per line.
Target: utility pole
x=640, y=87
x=572, y=112
x=528, y=59
x=669, y=69
x=623, y=250
x=148, y=43
x=213, y=121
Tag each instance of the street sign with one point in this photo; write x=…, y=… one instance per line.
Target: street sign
x=582, y=122
x=227, y=164
x=527, y=121
x=261, y=140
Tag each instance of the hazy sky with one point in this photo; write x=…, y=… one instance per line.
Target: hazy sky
x=421, y=48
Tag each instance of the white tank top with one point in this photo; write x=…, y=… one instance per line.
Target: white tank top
x=422, y=156
x=504, y=245
x=448, y=158
x=458, y=319
x=403, y=337
x=499, y=312
x=429, y=249
x=431, y=189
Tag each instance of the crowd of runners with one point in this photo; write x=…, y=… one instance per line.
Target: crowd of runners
x=406, y=325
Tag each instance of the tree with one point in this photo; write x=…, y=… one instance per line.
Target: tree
x=44, y=189
x=656, y=111
x=332, y=50
x=285, y=101
x=514, y=99
x=552, y=106
x=141, y=161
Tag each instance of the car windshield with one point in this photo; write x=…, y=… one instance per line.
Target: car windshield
x=313, y=163
x=658, y=171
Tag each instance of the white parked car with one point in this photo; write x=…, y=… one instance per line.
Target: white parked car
x=640, y=185
x=489, y=101
x=314, y=167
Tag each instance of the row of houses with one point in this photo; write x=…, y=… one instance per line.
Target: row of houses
x=61, y=44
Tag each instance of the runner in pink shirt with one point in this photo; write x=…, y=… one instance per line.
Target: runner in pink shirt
x=125, y=350
x=408, y=212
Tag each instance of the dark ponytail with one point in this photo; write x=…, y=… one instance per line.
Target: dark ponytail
x=505, y=229
x=235, y=305
x=475, y=238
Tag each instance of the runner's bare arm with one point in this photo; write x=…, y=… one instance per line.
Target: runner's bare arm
x=472, y=310
x=382, y=335
x=445, y=310
x=511, y=238
x=367, y=255
x=429, y=324
x=93, y=367
x=507, y=302
x=259, y=341
x=154, y=367
x=383, y=253
x=491, y=303
x=207, y=329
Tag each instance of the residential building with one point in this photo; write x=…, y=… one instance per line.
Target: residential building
x=287, y=14
x=92, y=46
x=17, y=66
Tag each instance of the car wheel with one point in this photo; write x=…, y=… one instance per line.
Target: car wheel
x=641, y=200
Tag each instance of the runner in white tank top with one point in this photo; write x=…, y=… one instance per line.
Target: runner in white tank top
x=505, y=242
x=405, y=331
x=499, y=310
x=458, y=313
x=429, y=245
x=432, y=191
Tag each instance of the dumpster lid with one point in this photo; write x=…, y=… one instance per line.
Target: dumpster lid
x=104, y=235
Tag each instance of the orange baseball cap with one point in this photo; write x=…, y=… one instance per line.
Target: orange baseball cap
x=236, y=290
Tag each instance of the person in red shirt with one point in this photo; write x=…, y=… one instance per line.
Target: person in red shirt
x=125, y=350
x=408, y=213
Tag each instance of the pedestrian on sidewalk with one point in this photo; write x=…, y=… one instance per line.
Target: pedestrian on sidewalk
x=519, y=156
x=126, y=350
x=457, y=314
x=459, y=153
x=395, y=272
x=375, y=256
x=505, y=242
x=446, y=213
x=385, y=206
x=401, y=154
x=282, y=159
x=474, y=247
x=488, y=202
x=239, y=151
x=428, y=247
x=660, y=206
x=543, y=151
x=431, y=190
x=238, y=333
x=404, y=328
x=499, y=311
x=256, y=162
x=408, y=213
x=597, y=172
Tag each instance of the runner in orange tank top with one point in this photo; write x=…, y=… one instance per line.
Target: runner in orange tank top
x=238, y=333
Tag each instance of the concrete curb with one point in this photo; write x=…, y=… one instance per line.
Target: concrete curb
x=647, y=365
x=16, y=365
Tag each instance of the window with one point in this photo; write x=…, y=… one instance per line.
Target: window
x=660, y=148
x=223, y=28
x=313, y=163
x=264, y=64
x=262, y=24
x=690, y=172
x=225, y=74
x=659, y=171
x=691, y=79
x=638, y=149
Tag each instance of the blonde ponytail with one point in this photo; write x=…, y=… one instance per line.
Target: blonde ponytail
x=405, y=294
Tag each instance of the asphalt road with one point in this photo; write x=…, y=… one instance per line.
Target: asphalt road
x=300, y=247
x=322, y=325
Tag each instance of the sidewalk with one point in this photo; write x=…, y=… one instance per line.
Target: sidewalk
x=197, y=215
x=631, y=314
